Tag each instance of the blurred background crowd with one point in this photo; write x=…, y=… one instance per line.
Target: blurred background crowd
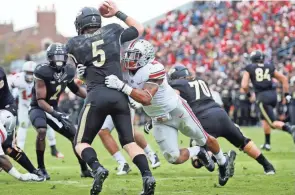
x=214, y=40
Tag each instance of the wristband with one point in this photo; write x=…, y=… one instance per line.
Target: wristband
x=13, y=172
x=121, y=16
x=127, y=89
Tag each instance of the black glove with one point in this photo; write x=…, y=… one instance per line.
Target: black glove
x=63, y=118
x=148, y=126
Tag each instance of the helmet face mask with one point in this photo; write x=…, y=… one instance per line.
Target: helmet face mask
x=28, y=69
x=57, y=55
x=138, y=54
x=29, y=76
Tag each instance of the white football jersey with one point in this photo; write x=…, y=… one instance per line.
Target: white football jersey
x=165, y=99
x=24, y=88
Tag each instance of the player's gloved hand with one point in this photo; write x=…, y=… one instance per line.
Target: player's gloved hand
x=134, y=104
x=81, y=71
x=148, y=127
x=114, y=82
x=63, y=118
x=288, y=97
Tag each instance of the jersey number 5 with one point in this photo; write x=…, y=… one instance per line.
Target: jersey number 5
x=196, y=84
x=96, y=52
x=260, y=75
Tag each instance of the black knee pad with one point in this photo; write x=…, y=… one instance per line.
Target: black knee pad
x=246, y=141
x=40, y=123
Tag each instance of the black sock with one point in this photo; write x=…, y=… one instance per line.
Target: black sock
x=40, y=159
x=262, y=160
x=22, y=159
x=141, y=162
x=90, y=157
x=53, y=149
x=267, y=138
x=287, y=128
x=82, y=163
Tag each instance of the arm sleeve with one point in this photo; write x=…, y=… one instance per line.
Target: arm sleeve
x=129, y=34
x=73, y=86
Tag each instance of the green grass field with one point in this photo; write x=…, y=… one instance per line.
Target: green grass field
x=171, y=179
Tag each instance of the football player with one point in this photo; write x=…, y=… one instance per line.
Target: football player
x=261, y=75
x=23, y=82
x=211, y=116
x=7, y=104
x=5, y=163
x=168, y=111
x=51, y=79
x=98, y=48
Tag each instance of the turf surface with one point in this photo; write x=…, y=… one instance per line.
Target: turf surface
x=171, y=179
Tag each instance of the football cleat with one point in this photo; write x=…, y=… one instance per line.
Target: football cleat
x=206, y=160
x=87, y=173
x=99, y=176
x=57, y=154
x=149, y=185
x=154, y=159
x=123, y=169
x=269, y=170
x=227, y=170
x=44, y=173
x=39, y=174
x=265, y=147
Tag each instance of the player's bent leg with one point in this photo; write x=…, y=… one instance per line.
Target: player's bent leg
x=141, y=142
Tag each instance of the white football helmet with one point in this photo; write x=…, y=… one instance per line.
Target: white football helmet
x=29, y=68
x=138, y=54
x=8, y=121
x=3, y=133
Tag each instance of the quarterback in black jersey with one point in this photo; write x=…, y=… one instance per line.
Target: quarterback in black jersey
x=7, y=103
x=51, y=79
x=261, y=75
x=98, y=49
x=212, y=117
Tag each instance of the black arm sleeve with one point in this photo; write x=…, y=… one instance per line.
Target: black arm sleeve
x=129, y=34
x=73, y=86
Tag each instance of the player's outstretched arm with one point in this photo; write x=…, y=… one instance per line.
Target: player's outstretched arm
x=78, y=90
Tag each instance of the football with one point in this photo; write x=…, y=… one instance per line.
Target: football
x=103, y=9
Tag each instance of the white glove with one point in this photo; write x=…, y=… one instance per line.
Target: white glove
x=288, y=98
x=114, y=82
x=134, y=104
x=30, y=177
x=81, y=71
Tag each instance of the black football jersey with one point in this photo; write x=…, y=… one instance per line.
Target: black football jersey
x=261, y=76
x=196, y=93
x=6, y=97
x=100, y=52
x=55, y=82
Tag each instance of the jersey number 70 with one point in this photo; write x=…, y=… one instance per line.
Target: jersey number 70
x=96, y=52
x=196, y=84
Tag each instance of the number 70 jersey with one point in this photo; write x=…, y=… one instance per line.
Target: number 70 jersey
x=99, y=52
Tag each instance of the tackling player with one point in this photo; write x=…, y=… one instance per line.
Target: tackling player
x=211, y=116
x=98, y=48
x=168, y=111
x=261, y=75
x=9, y=109
x=23, y=82
x=5, y=163
x=51, y=79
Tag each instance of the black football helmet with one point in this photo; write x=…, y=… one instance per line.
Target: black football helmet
x=257, y=57
x=87, y=17
x=57, y=55
x=178, y=72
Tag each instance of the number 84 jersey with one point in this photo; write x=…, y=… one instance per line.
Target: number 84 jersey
x=55, y=82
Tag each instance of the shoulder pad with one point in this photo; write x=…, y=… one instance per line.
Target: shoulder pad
x=156, y=70
x=43, y=72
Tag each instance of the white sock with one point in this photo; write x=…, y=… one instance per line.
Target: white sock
x=50, y=134
x=13, y=172
x=220, y=158
x=148, y=149
x=118, y=156
x=21, y=137
x=193, y=151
